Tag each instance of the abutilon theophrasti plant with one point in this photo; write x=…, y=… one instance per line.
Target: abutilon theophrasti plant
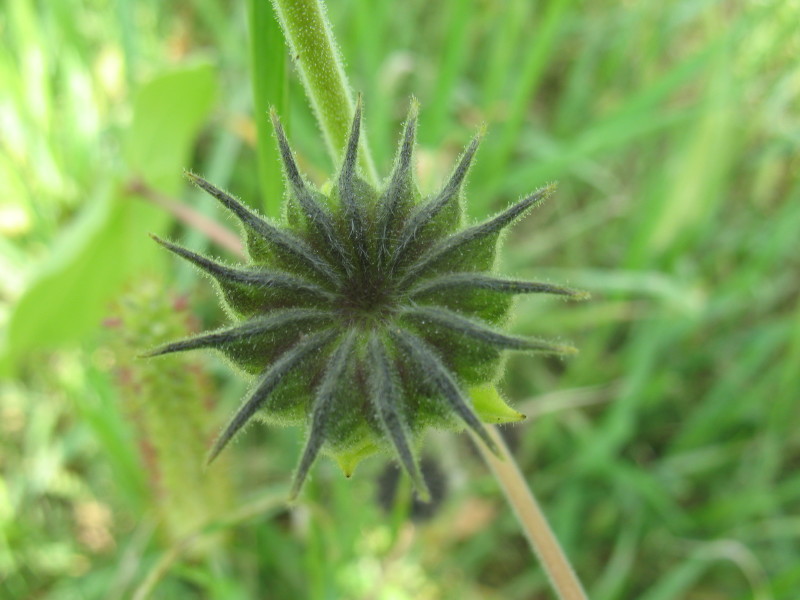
x=370, y=313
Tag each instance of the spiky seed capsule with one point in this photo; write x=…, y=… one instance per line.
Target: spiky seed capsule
x=370, y=312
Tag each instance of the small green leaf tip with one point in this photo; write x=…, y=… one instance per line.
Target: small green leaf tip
x=370, y=314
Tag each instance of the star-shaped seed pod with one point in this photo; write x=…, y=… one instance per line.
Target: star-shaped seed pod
x=369, y=313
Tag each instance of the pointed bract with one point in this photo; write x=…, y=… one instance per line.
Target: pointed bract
x=386, y=396
x=432, y=369
x=257, y=278
x=398, y=195
x=481, y=332
x=321, y=411
x=456, y=242
x=316, y=214
x=425, y=214
x=269, y=381
x=479, y=281
x=353, y=211
x=246, y=330
x=281, y=239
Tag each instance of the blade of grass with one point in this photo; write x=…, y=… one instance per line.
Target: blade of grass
x=270, y=89
x=537, y=58
x=368, y=46
x=505, y=40
x=453, y=59
x=310, y=39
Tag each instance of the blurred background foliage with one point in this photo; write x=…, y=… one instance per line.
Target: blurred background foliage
x=665, y=454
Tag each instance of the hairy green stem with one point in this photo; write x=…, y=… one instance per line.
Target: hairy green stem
x=270, y=88
x=531, y=518
x=314, y=50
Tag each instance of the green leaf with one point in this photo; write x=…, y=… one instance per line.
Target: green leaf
x=107, y=244
x=167, y=114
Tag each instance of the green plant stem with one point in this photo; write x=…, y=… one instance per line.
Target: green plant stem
x=270, y=88
x=531, y=518
x=311, y=42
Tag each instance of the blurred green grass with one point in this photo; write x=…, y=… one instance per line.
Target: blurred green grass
x=663, y=453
